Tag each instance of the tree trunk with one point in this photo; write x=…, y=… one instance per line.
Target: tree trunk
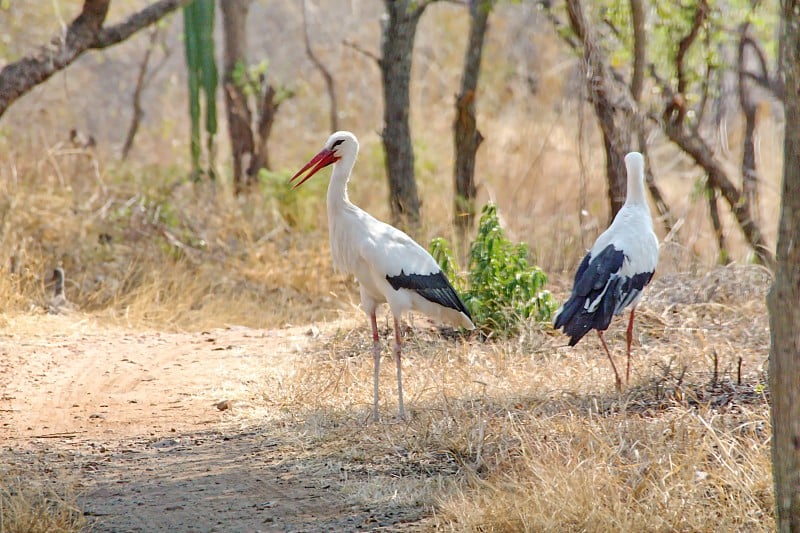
x=465, y=130
x=783, y=299
x=234, y=26
x=397, y=46
x=267, y=107
x=747, y=100
x=616, y=148
x=84, y=33
x=614, y=120
x=638, y=24
x=724, y=257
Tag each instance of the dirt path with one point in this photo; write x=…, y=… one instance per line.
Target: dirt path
x=132, y=418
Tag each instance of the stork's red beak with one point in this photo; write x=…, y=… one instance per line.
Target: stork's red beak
x=321, y=160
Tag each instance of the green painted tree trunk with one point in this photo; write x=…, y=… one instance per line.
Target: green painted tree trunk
x=198, y=18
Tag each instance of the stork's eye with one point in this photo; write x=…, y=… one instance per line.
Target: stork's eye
x=337, y=143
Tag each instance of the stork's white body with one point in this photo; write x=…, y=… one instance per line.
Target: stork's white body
x=388, y=264
x=370, y=250
x=616, y=270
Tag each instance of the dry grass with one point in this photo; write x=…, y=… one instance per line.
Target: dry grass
x=142, y=248
x=35, y=500
x=528, y=435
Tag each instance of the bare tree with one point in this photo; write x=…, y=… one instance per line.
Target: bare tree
x=688, y=137
x=617, y=105
x=84, y=33
x=234, y=29
x=397, y=46
x=638, y=22
x=784, y=313
x=326, y=75
x=749, y=51
x=142, y=80
x=612, y=106
x=250, y=100
x=465, y=129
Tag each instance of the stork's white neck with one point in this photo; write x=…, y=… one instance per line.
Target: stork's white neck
x=634, y=162
x=343, y=226
x=340, y=175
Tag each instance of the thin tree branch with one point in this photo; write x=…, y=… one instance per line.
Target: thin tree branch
x=362, y=51
x=331, y=87
x=748, y=41
x=153, y=72
x=716, y=222
x=136, y=98
x=706, y=87
x=772, y=84
x=639, y=49
x=561, y=29
x=141, y=19
x=683, y=48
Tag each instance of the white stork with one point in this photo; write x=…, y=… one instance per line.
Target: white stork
x=389, y=266
x=616, y=270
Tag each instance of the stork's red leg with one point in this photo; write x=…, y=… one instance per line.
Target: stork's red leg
x=376, y=355
x=628, y=338
x=398, y=341
x=613, y=366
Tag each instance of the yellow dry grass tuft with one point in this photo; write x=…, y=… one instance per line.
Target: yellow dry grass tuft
x=37, y=502
x=142, y=247
x=580, y=470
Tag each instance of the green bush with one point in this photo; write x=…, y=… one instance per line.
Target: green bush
x=501, y=290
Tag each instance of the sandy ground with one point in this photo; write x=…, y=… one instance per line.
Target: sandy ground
x=132, y=419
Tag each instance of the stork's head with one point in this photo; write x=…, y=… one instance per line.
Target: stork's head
x=340, y=144
x=634, y=162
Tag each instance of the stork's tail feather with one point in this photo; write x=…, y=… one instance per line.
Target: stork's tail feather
x=576, y=321
x=465, y=321
x=433, y=287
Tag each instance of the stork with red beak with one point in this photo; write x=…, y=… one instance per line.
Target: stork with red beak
x=389, y=266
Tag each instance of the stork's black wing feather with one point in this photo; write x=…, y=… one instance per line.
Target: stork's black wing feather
x=434, y=287
x=581, y=269
x=596, y=279
x=599, y=271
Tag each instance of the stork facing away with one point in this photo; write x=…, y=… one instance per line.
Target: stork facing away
x=388, y=265
x=616, y=270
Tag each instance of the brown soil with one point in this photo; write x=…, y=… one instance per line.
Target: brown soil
x=132, y=419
